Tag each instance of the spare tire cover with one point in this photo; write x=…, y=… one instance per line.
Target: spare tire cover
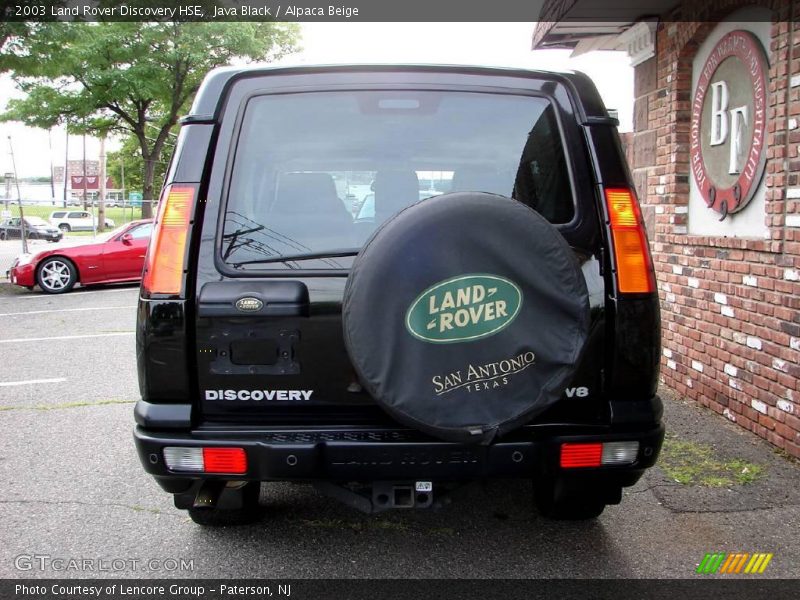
x=465, y=315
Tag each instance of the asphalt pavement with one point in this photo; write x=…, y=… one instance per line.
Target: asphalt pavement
x=73, y=488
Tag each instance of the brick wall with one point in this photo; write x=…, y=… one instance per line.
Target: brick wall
x=730, y=307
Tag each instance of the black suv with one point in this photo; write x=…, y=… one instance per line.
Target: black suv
x=489, y=312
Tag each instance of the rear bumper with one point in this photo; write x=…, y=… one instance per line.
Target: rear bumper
x=362, y=454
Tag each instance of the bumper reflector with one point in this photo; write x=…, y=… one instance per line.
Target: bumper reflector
x=206, y=460
x=596, y=454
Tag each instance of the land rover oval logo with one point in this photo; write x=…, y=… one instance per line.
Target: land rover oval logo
x=464, y=308
x=249, y=304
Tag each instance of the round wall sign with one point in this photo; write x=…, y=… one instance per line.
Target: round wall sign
x=728, y=133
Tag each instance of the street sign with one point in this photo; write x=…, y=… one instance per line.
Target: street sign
x=135, y=198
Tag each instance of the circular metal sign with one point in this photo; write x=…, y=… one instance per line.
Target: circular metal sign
x=728, y=133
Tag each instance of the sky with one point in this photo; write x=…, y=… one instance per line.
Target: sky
x=493, y=44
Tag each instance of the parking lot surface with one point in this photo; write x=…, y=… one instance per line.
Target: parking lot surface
x=73, y=487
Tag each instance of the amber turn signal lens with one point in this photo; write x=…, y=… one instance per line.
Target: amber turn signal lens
x=632, y=254
x=164, y=266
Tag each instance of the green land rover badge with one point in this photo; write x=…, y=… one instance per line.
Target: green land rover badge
x=464, y=308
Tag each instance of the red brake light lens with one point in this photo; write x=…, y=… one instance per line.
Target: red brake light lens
x=224, y=460
x=581, y=455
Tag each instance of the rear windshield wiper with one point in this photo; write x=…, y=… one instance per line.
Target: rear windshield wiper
x=294, y=257
x=233, y=239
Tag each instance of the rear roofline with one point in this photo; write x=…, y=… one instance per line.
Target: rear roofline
x=212, y=93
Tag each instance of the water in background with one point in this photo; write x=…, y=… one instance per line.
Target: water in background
x=34, y=193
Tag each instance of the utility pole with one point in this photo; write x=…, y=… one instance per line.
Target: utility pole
x=101, y=186
x=84, y=172
x=66, y=164
x=52, y=170
x=19, y=198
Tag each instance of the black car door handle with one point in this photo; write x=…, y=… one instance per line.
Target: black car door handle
x=253, y=298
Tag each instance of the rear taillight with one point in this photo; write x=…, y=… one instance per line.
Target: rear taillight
x=224, y=460
x=633, y=264
x=231, y=461
x=581, y=455
x=166, y=255
x=597, y=454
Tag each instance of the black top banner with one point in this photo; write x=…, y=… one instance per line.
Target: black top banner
x=271, y=10
x=366, y=10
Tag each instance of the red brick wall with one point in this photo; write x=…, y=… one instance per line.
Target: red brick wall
x=730, y=307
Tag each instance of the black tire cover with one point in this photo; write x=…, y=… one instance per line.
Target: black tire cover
x=465, y=315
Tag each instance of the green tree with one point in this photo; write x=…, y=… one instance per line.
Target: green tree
x=128, y=160
x=140, y=76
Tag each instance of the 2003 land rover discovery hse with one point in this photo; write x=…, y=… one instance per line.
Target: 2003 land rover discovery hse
x=388, y=280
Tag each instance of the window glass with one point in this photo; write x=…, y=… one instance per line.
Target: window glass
x=314, y=174
x=142, y=231
x=542, y=180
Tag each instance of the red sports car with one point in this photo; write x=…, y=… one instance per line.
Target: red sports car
x=116, y=257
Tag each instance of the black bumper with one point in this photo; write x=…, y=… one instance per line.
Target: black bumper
x=364, y=454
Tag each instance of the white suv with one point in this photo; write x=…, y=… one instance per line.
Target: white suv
x=75, y=220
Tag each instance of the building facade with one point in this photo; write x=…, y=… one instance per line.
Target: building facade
x=75, y=183
x=715, y=159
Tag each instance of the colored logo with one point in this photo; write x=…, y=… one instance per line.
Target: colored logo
x=249, y=304
x=728, y=133
x=722, y=563
x=464, y=308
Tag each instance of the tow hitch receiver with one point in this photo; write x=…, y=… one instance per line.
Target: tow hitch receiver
x=384, y=495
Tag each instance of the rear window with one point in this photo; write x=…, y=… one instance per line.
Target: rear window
x=315, y=173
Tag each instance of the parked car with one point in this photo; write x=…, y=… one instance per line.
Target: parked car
x=473, y=336
x=36, y=228
x=76, y=220
x=116, y=257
